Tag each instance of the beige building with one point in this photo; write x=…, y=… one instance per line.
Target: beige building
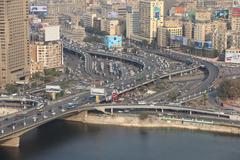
x=111, y=26
x=166, y=35
x=188, y=30
x=236, y=21
x=46, y=55
x=201, y=32
x=151, y=17
x=219, y=36
x=236, y=39
x=133, y=3
x=14, y=42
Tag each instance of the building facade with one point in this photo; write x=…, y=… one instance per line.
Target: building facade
x=14, y=42
x=46, y=55
x=151, y=17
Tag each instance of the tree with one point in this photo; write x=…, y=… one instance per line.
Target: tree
x=173, y=95
x=143, y=116
x=229, y=89
x=205, y=98
x=134, y=50
x=145, y=42
x=10, y=88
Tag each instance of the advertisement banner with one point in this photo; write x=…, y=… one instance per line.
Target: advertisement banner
x=98, y=91
x=157, y=13
x=38, y=9
x=232, y=57
x=221, y=14
x=236, y=3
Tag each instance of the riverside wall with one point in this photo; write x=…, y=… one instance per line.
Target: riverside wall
x=151, y=122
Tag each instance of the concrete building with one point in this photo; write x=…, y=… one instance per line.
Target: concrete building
x=111, y=26
x=167, y=35
x=46, y=55
x=219, y=36
x=202, y=33
x=14, y=41
x=89, y=19
x=97, y=23
x=236, y=19
x=188, y=30
x=132, y=22
x=133, y=3
x=151, y=17
x=235, y=39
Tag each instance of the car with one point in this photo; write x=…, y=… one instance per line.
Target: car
x=34, y=119
x=63, y=110
x=53, y=113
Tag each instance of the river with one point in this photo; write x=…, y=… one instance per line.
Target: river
x=61, y=140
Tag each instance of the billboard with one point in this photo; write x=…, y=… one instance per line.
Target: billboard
x=113, y=41
x=98, y=92
x=185, y=41
x=221, y=14
x=208, y=44
x=53, y=89
x=236, y=12
x=157, y=11
x=232, y=57
x=180, y=10
x=236, y=3
x=38, y=9
x=52, y=33
x=198, y=44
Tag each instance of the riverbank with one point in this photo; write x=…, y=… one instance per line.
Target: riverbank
x=154, y=122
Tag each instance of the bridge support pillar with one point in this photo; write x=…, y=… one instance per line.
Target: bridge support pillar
x=14, y=142
x=162, y=110
x=53, y=96
x=111, y=111
x=190, y=112
x=181, y=74
x=170, y=77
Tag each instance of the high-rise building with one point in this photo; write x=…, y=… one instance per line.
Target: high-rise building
x=132, y=22
x=89, y=19
x=151, y=17
x=188, y=30
x=14, y=42
x=219, y=36
x=236, y=19
x=46, y=55
x=167, y=35
x=202, y=32
x=111, y=26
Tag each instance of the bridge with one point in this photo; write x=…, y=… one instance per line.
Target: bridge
x=195, y=64
x=13, y=127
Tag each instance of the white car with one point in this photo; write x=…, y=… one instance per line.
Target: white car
x=34, y=119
